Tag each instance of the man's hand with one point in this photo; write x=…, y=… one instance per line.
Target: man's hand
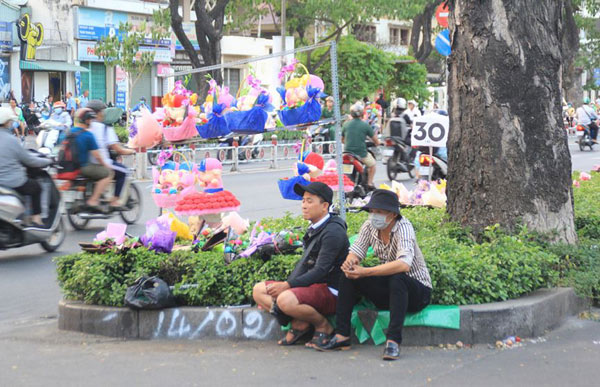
x=355, y=272
x=349, y=263
x=276, y=288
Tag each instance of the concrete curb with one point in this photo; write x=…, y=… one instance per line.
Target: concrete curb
x=528, y=316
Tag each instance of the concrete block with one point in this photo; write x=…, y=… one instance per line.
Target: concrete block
x=69, y=315
x=110, y=321
x=260, y=325
x=191, y=323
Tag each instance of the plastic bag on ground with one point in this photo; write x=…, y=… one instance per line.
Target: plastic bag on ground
x=149, y=293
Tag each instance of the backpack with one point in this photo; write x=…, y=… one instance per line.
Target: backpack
x=68, y=157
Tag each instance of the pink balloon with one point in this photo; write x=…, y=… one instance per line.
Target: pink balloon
x=316, y=82
x=149, y=130
x=226, y=99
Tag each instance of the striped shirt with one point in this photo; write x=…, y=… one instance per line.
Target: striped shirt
x=403, y=246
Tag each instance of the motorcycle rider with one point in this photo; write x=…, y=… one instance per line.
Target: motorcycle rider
x=587, y=116
x=108, y=140
x=60, y=115
x=401, y=123
x=87, y=146
x=354, y=134
x=12, y=168
x=141, y=104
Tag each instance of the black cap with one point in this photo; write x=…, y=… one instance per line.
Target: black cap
x=317, y=188
x=383, y=199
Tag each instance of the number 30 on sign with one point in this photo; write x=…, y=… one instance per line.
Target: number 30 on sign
x=431, y=130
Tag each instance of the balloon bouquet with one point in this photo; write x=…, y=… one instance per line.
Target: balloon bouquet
x=299, y=95
x=219, y=101
x=250, y=113
x=178, y=114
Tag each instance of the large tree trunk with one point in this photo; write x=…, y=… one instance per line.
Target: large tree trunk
x=420, y=37
x=509, y=160
x=572, y=86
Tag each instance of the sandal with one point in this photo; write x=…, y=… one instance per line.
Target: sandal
x=320, y=339
x=296, y=335
x=334, y=345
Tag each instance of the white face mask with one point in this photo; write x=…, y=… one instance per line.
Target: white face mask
x=58, y=110
x=379, y=221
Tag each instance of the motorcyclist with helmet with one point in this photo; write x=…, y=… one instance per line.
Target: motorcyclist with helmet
x=401, y=123
x=14, y=161
x=60, y=115
x=354, y=134
x=87, y=147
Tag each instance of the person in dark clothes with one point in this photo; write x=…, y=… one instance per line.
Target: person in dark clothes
x=400, y=283
x=310, y=292
x=384, y=106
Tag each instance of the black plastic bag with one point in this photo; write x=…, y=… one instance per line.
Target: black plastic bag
x=149, y=293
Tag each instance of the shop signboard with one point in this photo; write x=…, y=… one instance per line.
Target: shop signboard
x=190, y=31
x=86, y=52
x=6, y=36
x=94, y=24
x=4, y=77
x=121, y=91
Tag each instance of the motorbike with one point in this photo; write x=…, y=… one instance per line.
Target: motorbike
x=246, y=141
x=400, y=157
x=47, y=138
x=13, y=210
x=356, y=170
x=76, y=191
x=585, y=138
x=32, y=117
x=439, y=166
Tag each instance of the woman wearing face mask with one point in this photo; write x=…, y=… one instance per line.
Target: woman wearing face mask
x=400, y=283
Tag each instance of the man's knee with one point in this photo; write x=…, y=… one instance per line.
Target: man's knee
x=259, y=290
x=287, y=301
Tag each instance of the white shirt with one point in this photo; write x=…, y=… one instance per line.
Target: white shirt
x=320, y=222
x=105, y=136
x=585, y=115
x=413, y=113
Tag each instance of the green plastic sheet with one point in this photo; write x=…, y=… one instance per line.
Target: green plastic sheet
x=437, y=316
x=369, y=251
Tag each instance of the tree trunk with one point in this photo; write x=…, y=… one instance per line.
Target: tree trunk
x=509, y=161
x=420, y=36
x=572, y=87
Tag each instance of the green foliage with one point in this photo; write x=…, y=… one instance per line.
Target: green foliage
x=409, y=80
x=125, y=52
x=587, y=206
x=122, y=132
x=499, y=266
x=362, y=69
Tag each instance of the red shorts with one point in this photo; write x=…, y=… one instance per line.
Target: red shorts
x=316, y=295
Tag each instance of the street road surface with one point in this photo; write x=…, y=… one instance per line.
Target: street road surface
x=34, y=352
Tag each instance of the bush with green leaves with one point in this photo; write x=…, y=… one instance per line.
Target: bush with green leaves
x=497, y=267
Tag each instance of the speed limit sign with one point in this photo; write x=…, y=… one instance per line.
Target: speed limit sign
x=431, y=130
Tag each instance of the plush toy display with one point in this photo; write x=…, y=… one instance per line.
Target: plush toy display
x=330, y=177
x=214, y=199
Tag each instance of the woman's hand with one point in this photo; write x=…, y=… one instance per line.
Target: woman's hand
x=350, y=262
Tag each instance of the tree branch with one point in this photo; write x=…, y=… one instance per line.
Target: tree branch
x=176, y=24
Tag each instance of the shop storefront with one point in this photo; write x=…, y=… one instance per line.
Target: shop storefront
x=8, y=39
x=103, y=82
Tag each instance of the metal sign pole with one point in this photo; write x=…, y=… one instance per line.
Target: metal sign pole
x=335, y=90
x=430, y=162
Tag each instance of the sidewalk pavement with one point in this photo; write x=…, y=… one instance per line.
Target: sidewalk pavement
x=39, y=354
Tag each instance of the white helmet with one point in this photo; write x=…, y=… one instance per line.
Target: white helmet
x=400, y=103
x=357, y=109
x=6, y=115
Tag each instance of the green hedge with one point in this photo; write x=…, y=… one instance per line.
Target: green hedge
x=499, y=266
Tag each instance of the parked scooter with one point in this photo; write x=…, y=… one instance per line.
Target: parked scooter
x=585, y=138
x=439, y=165
x=77, y=191
x=13, y=210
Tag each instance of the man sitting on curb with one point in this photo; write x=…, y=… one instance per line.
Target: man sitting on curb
x=310, y=292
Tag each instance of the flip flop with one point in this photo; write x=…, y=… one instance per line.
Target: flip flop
x=296, y=335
